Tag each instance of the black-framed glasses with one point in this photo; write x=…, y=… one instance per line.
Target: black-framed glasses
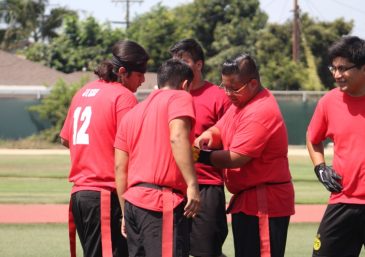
x=232, y=91
x=340, y=69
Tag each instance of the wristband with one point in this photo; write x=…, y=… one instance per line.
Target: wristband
x=204, y=157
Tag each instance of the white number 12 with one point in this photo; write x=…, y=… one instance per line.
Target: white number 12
x=80, y=137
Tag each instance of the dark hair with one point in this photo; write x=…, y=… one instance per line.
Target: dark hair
x=172, y=73
x=127, y=54
x=351, y=48
x=243, y=65
x=190, y=46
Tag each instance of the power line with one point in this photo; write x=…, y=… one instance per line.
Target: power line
x=296, y=33
x=127, y=2
x=350, y=7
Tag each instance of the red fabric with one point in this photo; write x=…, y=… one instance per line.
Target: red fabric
x=258, y=130
x=98, y=107
x=105, y=210
x=341, y=118
x=210, y=103
x=106, y=240
x=167, y=223
x=264, y=226
x=144, y=135
x=71, y=231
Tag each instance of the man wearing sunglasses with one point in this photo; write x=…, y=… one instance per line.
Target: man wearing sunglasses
x=340, y=116
x=254, y=138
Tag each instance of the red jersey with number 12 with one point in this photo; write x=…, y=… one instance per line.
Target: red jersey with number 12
x=90, y=128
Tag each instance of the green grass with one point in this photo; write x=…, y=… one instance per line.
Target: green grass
x=34, y=166
x=35, y=240
x=34, y=179
x=51, y=240
x=34, y=190
x=43, y=179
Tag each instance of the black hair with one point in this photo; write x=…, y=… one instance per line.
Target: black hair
x=190, y=46
x=172, y=73
x=243, y=65
x=127, y=54
x=351, y=48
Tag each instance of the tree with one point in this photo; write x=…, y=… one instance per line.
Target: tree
x=226, y=28
x=26, y=21
x=54, y=107
x=81, y=46
x=158, y=30
x=320, y=35
x=273, y=53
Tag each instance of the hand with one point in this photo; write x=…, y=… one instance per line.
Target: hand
x=196, y=152
x=204, y=141
x=202, y=156
x=328, y=177
x=192, y=206
x=122, y=228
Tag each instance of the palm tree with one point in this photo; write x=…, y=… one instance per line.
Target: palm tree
x=26, y=22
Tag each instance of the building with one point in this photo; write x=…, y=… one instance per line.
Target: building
x=24, y=83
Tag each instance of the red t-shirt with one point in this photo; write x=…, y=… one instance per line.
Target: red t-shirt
x=90, y=127
x=341, y=118
x=257, y=130
x=145, y=135
x=210, y=103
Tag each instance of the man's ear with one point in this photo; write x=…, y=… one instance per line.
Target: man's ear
x=253, y=83
x=185, y=85
x=199, y=64
x=122, y=71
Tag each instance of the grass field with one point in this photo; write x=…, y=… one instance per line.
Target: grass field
x=51, y=240
x=43, y=179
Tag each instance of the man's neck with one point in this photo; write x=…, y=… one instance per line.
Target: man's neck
x=196, y=84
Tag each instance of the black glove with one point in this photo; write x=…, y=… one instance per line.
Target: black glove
x=202, y=156
x=328, y=177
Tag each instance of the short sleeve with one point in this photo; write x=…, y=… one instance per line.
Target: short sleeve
x=124, y=103
x=181, y=105
x=250, y=139
x=120, y=138
x=318, y=125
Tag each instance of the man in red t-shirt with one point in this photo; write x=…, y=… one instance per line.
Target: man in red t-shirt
x=254, y=138
x=340, y=116
x=154, y=167
x=89, y=132
x=209, y=228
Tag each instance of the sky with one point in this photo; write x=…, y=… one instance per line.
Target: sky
x=278, y=10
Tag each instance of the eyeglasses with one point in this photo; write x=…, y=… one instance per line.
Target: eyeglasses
x=340, y=69
x=231, y=91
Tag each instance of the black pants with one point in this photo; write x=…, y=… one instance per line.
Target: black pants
x=341, y=232
x=209, y=228
x=144, y=232
x=86, y=212
x=247, y=238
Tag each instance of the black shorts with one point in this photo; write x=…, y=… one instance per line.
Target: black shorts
x=341, y=232
x=246, y=235
x=144, y=232
x=86, y=212
x=209, y=228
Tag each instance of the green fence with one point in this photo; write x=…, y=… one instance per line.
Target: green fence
x=297, y=108
x=15, y=119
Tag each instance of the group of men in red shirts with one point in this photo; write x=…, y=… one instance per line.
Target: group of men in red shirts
x=138, y=185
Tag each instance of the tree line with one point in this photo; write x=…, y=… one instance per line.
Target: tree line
x=225, y=28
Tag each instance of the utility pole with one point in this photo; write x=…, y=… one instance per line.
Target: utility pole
x=296, y=33
x=127, y=2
